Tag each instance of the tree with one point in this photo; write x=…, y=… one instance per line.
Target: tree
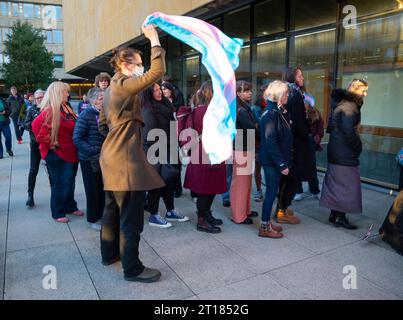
x=30, y=64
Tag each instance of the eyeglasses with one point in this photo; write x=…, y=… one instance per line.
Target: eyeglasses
x=39, y=98
x=136, y=64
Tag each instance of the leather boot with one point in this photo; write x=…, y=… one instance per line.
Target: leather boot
x=333, y=216
x=204, y=226
x=30, y=202
x=210, y=219
x=342, y=221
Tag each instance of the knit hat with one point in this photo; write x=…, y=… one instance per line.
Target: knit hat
x=309, y=100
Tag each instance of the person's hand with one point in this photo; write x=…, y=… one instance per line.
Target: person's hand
x=285, y=172
x=150, y=32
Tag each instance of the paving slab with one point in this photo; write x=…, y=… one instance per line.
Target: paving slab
x=111, y=285
x=260, y=287
x=25, y=277
x=30, y=229
x=322, y=278
x=317, y=237
x=376, y=264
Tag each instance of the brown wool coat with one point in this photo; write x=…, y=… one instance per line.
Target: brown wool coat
x=123, y=161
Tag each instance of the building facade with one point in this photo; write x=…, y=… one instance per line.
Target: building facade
x=32, y=11
x=333, y=41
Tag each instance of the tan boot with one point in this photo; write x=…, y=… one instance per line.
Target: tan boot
x=289, y=212
x=266, y=231
x=283, y=217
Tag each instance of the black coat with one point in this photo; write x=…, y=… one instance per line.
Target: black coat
x=345, y=145
x=303, y=157
x=275, y=138
x=158, y=116
x=87, y=137
x=32, y=113
x=244, y=122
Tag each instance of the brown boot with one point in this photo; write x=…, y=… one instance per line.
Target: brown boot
x=276, y=228
x=283, y=217
x=266, y=231
x=289, y=212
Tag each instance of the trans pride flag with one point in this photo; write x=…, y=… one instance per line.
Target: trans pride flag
x=220, y=56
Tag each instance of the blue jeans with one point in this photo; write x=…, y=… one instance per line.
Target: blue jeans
x=5, y=129
x=225, y=196
x=272, y=177
x=62, y=178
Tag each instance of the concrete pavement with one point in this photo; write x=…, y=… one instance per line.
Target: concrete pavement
x=235, y=264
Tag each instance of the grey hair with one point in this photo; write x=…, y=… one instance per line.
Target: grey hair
x=93, y=94
x=38, y=92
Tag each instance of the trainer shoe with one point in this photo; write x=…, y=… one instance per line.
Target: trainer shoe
x=156, y=220
x=298, y=197
x=173, y=215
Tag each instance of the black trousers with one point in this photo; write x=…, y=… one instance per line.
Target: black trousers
x=166, y=193
x=122, y=224
x=401, y=178
x=178, y=180
x=287, y=191
x=35, y=162
x=204, y=203
x=94, y=192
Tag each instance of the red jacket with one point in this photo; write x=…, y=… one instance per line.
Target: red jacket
x=41, y=127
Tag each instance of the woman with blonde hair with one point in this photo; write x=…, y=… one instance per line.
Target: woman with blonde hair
x=275, y=151
x=53, y=130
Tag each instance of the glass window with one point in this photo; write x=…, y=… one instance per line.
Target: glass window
x=28, y=11
x=3, y=8
x=237, y=24
x=59, y=13
x=15, y=9
x=314, y=53
x=58, y=61
x=49, y=38
x=38, y=11
x=174, y=48
x=58, y=36
x=243, y=70
x=276, y=23
x=187, y=50
x=5, y=32
x=191, y=76
x=373, y=51
x=269, y=62
x=368, y=7
x=312, y=13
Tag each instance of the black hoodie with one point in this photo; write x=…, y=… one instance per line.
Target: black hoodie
x=345, y=144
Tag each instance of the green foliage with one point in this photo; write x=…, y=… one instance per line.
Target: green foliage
x=30, y=64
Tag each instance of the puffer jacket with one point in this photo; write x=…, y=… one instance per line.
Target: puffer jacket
x=345, y=145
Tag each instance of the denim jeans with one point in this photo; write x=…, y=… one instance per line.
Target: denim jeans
x=62, y=178
x=272, y=178
x=225, y=196
x=5, y=130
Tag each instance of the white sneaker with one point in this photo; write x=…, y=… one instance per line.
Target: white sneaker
x=95, y=226
x=298, y=197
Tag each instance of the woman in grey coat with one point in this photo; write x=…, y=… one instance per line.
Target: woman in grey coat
x=342, y=184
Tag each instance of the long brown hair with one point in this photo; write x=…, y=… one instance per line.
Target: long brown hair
x=204, y=95
x=120, y=55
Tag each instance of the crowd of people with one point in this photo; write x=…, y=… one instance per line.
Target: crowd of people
x=109, y=138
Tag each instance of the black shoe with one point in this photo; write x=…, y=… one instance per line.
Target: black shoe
x=343, y=222
x=253, y=214
x=30, y=202
x=10, y=153
x=109, y=262
x=148, y=275
x=246, y=221
x=226, y=204
x=204, y=226
x=332, y=217
x=210, y=219
x=1, y=157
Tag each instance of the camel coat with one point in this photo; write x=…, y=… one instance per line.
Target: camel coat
x=123, y=161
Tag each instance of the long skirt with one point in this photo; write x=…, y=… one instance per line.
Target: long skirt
x=341, y=189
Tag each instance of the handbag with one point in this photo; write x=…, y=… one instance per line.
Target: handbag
x=168, y=172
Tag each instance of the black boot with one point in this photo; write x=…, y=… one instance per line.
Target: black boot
x=30, y=202
x=342, y=221
x=210, y=219
x=204, y=226
x=333, y=216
